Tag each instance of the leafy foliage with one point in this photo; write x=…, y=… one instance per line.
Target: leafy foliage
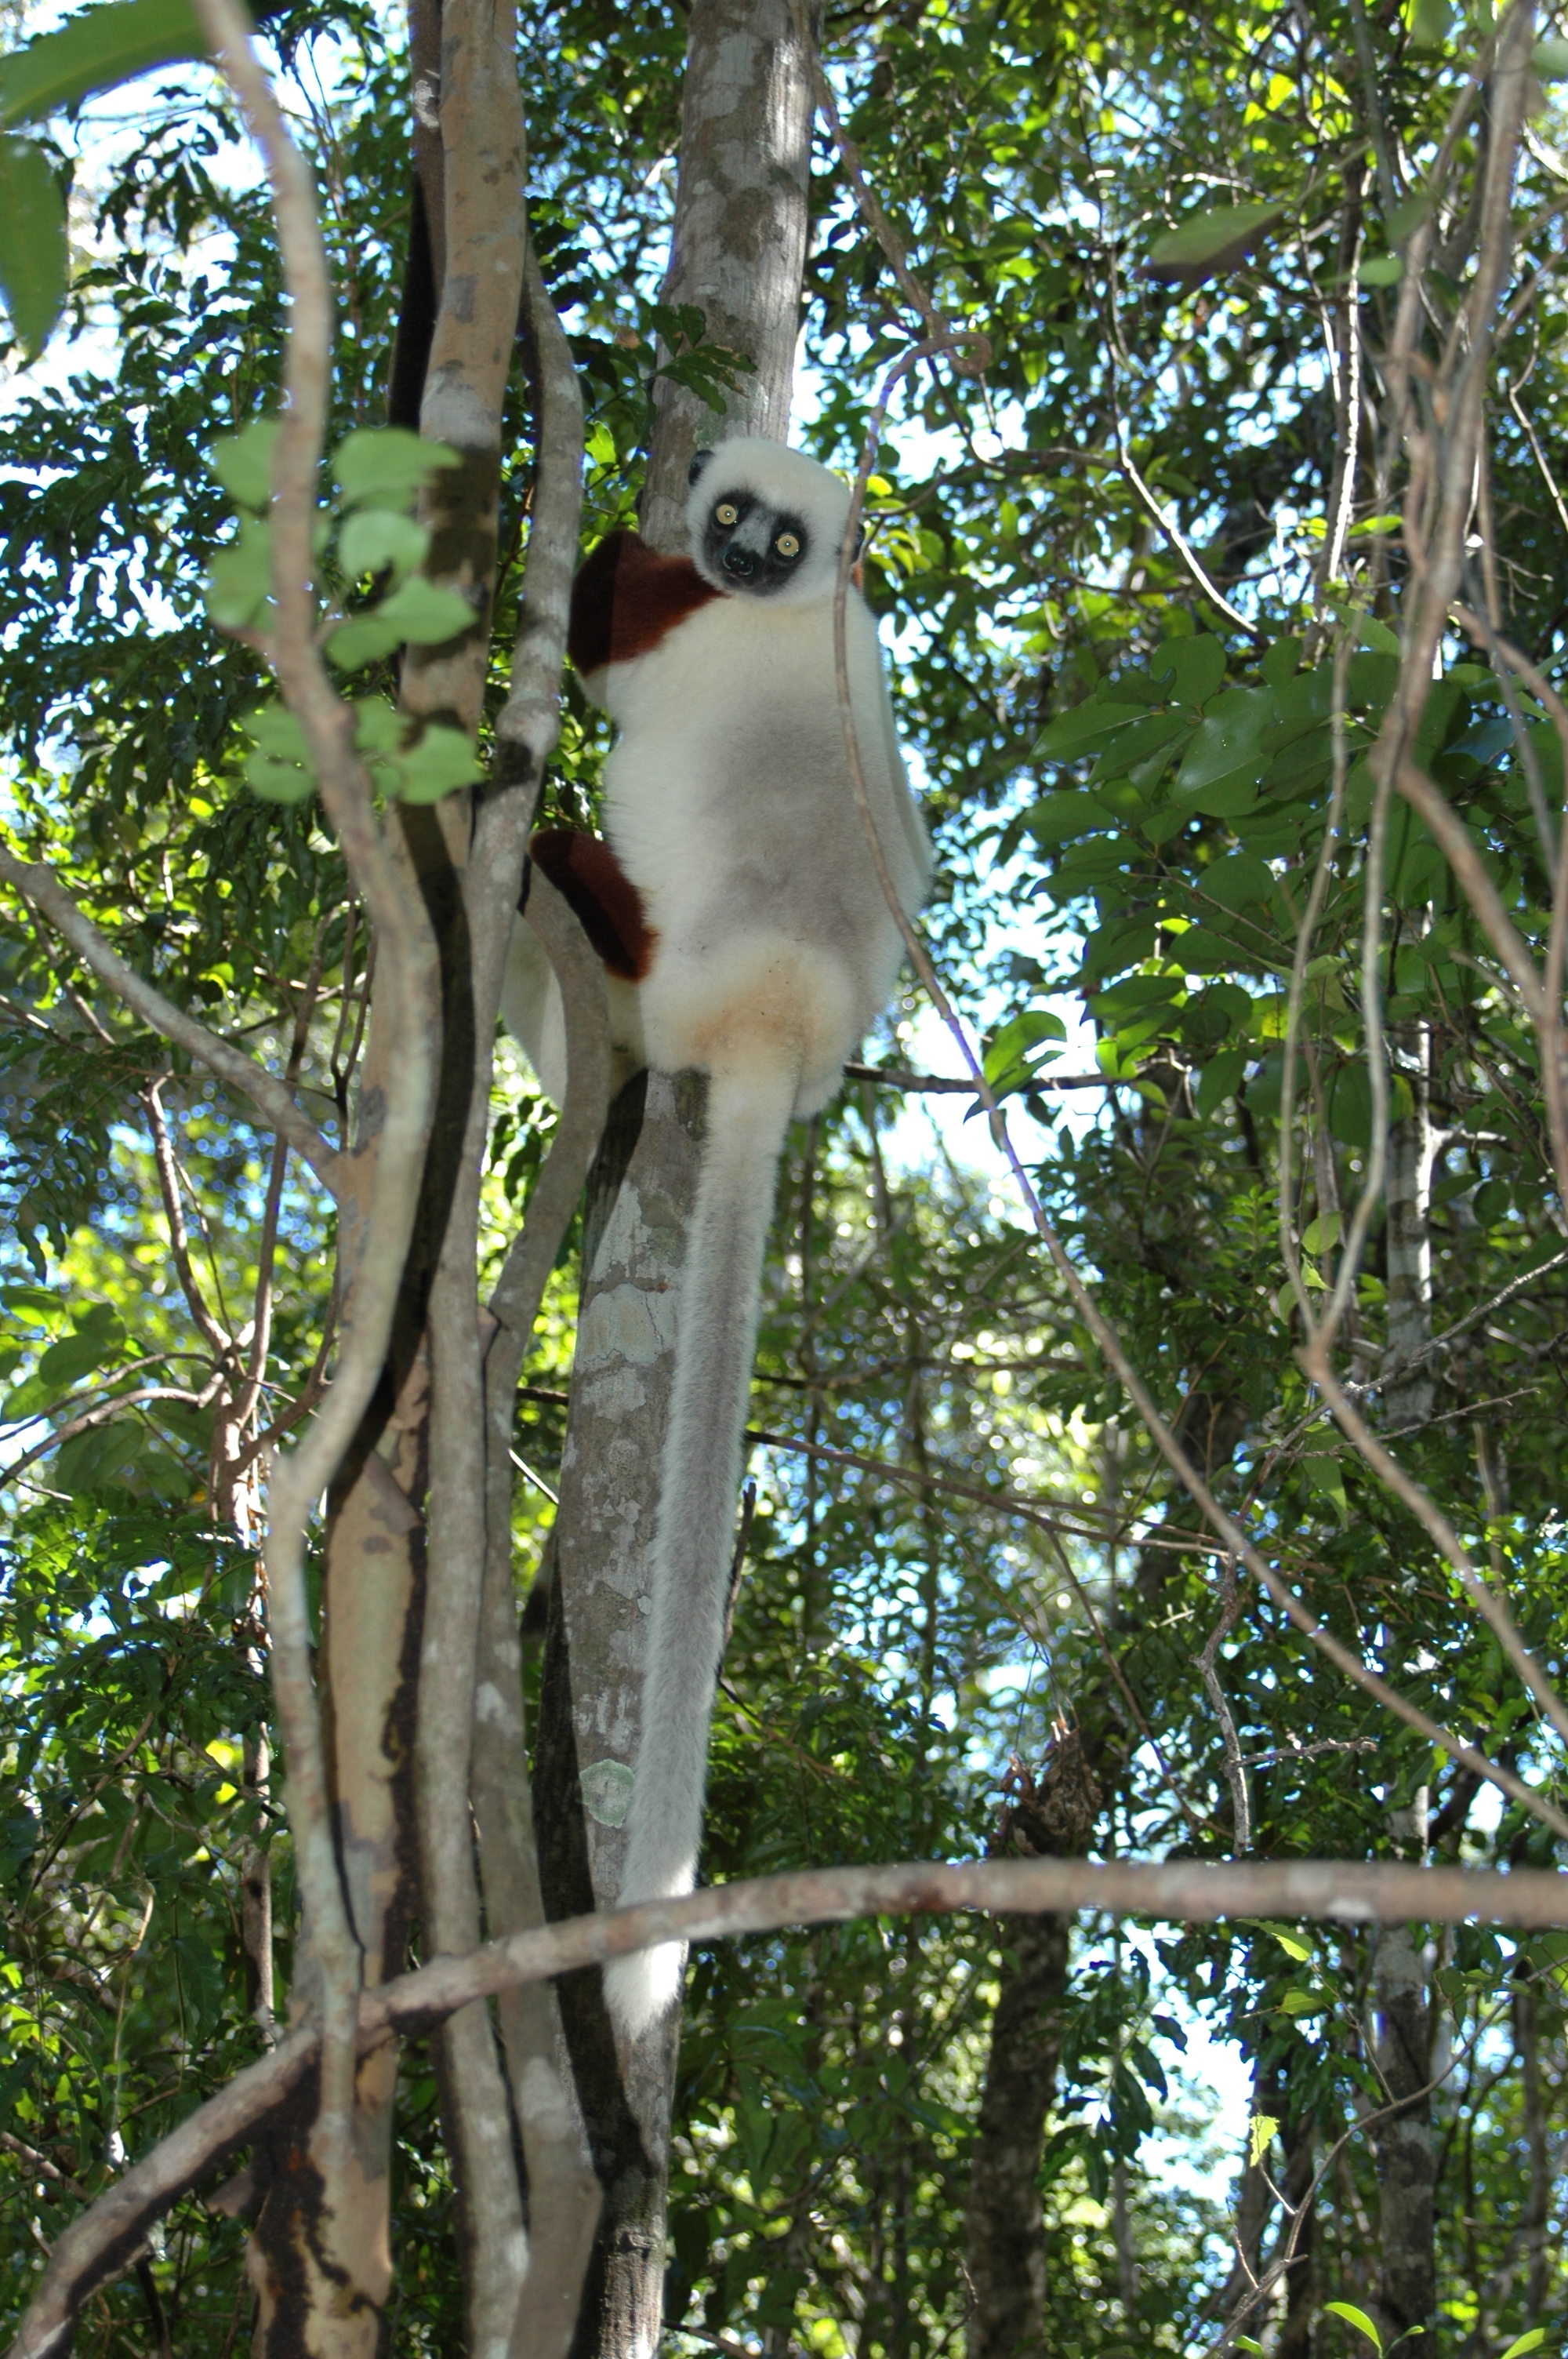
x=1162, y=219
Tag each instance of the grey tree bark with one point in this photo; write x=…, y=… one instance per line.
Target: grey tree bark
x=1408, y=1392
x=1406, y=2154
x=738, y=253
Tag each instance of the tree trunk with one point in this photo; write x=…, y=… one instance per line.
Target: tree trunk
x=738, y=253
x=1006, y=2246
x=407, y=1522
x=1407, y=2282
x=1408, y=1392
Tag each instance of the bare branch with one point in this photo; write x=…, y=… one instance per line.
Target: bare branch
x=932, y=1082
x=98, y=2245
x=174, y=1213
x=1181, y=1891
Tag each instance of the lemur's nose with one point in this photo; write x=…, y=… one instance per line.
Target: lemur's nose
x=739, y=561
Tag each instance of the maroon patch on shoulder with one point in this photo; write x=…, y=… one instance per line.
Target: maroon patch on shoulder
x=608, y=906
x=624, y=600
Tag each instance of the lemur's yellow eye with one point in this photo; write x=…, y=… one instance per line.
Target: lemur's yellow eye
x=726, y=513
x=787, y=545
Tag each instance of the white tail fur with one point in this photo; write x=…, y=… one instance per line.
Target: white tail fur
x=694, y=1536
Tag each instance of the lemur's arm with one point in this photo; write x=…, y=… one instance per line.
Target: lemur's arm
x=608, y=906
x=624, y=598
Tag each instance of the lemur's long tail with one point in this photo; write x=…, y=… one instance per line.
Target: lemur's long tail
x=695, y=1534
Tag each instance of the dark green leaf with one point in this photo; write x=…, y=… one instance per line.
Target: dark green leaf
x=1214, y=240
x=94, y=49
x=33, y=259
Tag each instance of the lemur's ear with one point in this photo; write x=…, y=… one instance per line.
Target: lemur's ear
x=699, y=460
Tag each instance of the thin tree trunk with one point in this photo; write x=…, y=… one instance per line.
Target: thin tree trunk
x=397, y=1683
x=1005, y=2234
x=737, y=254
x=1407, y=2281
x=1295, y=2340
x=1538, y=2203
x=1408, y=1397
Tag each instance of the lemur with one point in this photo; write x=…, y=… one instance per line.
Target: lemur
x=746, y=934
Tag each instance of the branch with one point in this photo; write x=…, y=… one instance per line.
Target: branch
x=931, y=1083
x=97, y=2246
x=1187, y=1892
x=231, y=1065
x=375, y=1247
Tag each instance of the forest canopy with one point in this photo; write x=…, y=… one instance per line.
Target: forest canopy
x=1152, y=1454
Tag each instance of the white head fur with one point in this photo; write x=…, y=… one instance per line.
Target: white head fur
x=766, y=522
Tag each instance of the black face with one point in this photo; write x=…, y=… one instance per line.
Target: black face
x=751, y=547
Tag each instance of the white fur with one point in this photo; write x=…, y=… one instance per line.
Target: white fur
x=730, y=803
x=533, y=1012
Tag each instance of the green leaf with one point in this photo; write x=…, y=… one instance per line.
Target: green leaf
x=378, y=727
x=1301, y=2002
x=1378, y=635
x=1084, y=726
x=1207, y=243
x=1429, y=23
x=1380, y=270
x=239, y=580
x=277, y=782
x=418, y=614
x=94, y=49
x=1260, y=2134
x=1226, y=747
x=375, y=539
x=242, y=462
x=1011, y=1061
x=94, y=1459
x=33, y=256
x=1536, y=2335
x=280, y=769
x=1319, y=1236
x=1059, y=819
x=78, y=1355
x=383, y=466
x=1221, y=1079
x=441, y=761
x=1357, y=2318
x=1325, y=1477
x=1549, y=63
x=1194, y=667
x=1236, y=881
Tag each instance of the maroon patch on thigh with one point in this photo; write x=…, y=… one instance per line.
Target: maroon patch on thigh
x=625, y=599
x=608, y=906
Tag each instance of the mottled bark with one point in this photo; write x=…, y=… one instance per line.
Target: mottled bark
x=371, y=1597
x=738, y=247
x=1538, y=2201
x=1006, y=2246
x=639, y=1200
x=738, y=253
